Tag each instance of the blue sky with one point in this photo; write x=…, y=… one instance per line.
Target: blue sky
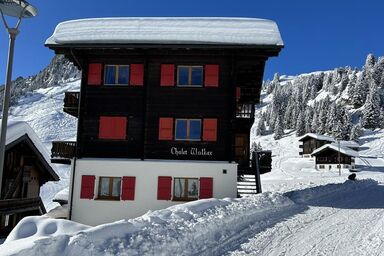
x=318, y=35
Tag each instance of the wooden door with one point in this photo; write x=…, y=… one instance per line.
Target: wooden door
x=242, y=149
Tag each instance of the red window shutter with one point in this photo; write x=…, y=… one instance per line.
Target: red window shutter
x=113, y=127
x=238, y=93
x=128, y=188
x=210, y=129
x=137, y=75
x=164, y=188
x=167, y=75
x=166, y=128
x=206, y=188
x=211, y=76
x=87, y=186
x=94, y=74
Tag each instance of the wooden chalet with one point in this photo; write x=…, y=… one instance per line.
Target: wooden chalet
x=164, y=112
x=26, y=169
x=312, y=141
x=329, y=156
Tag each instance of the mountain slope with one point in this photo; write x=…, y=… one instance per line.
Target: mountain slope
x=58, y=71
x=338, y=102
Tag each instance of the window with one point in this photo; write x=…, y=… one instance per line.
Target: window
x=185, y=189
x=190, y=76
x=322, y=159
x=109, y=188
x=6, y=222
x=188, y=129
x=116, y=75
x=321, y=166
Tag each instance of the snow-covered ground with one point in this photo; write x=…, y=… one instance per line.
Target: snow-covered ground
x=301, y=212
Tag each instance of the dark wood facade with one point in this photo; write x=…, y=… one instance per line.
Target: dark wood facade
x=143, y=106
x=25, y=171
x=330, y=156
x=310, y=144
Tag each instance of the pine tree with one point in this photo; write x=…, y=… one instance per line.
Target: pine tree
x=344, y=83
x=256, y=147
x=356, y=132
x=308, y=119
x=274, y=83
x=332, y=117
x=370, y=62
x=279, y=131
x=314, y=122
x=346, y=124
x=260, y=129
x=381, y=119
x=371, y=111
x=378, y=72
x=351, y=86
x=300, y=126
x=360, y=93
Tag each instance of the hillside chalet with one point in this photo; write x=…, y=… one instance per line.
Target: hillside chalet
x=312, y=141
x=27, y=168
x=327, y=157
x=164, y=112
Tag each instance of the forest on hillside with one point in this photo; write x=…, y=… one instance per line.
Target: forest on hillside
x=338, y=103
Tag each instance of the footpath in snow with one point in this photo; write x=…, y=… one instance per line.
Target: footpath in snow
x=216, y=227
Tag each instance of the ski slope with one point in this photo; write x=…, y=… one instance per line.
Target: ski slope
x=340, y=223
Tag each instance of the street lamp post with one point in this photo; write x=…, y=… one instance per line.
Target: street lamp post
x=338, y=157
x=19, y=9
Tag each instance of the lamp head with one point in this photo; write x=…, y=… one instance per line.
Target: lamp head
x=17, y=8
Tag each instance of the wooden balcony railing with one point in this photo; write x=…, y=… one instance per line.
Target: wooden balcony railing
x=17, y=205
x=63, y=151
x=245, y=111
x=71, y=103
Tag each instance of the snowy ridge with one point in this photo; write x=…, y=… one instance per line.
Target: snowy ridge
x=59, y=71
x=167, y=30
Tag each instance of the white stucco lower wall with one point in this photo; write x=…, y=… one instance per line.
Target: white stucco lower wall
x=94, y=212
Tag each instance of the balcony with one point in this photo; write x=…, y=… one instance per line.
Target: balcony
x=19, y=205
x=245, y=111
x=62, y=152
x=71, y=103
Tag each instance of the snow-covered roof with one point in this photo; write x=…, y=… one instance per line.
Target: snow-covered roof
x=344, y=150
x=18, y=129
x=62, y=195
x=167, y=30
x=349, y=144
x=317, y=137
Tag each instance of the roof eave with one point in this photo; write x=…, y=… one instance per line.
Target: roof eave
x=277, y=48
